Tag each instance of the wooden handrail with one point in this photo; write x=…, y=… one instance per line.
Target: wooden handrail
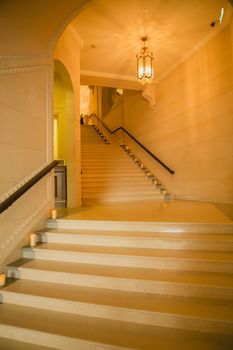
x=24, y=188
x=172, y=172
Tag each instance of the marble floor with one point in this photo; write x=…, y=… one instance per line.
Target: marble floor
x=166, y=211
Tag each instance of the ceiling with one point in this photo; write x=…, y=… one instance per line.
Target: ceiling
x=111, y=32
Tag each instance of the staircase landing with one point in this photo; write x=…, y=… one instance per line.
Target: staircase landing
x=152, y=211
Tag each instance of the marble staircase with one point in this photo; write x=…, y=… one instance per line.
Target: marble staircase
x=92, y=285
x=108, y=174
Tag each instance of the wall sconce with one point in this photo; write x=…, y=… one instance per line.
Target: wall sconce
x=145, y=64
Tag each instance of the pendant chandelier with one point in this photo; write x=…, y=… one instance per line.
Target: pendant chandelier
x=145, y=64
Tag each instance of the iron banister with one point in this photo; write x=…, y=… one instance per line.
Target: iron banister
x=139, y=143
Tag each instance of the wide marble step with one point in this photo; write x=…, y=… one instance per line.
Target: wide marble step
x=126, y=197
x=159, y=240
x=109, y=170
x=214, y=316
x=64, y=331
x=141, y=225
x=119, y=185
x=111, y=167
x=153, y=281
x=193, y=260
x=102, y=161
x=88, y=155
x=128, y=176
x=111, y=179
x=120, y=191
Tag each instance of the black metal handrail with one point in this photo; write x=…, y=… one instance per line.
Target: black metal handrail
x=139, y=143
x=24, y=188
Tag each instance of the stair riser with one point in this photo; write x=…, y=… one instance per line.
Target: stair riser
x=119, y=313
x=130, y=261
x=135, y=242
x=53, y=341
x=123, y=284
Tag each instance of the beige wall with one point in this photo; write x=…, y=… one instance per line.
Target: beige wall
x=68, y=52
x=191, y=125
x=25, y=147
x=26, y=106
x=26, y=81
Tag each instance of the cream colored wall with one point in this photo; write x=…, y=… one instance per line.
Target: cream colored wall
x=68, y=52
x=191, y=125
x=25, y=147
x=26, y=81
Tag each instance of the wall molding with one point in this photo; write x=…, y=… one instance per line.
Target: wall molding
x=27, y=68
x=24, y=57
x=19, y=233
x=22, y=61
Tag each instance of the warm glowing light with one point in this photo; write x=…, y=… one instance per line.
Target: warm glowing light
x=2, y=279
x=221, y=15
x=33, y=239
x=54, y=214
x=145, y=65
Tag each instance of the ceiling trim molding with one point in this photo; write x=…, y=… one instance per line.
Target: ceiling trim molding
x=109, y=80
x=109, y=75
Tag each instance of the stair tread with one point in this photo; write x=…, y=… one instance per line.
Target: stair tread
x=223, y=280
x=182, y=306
x=140, y=252
x=144, y=235
x=115, y=333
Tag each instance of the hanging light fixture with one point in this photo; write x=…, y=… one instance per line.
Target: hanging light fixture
x=145, y=64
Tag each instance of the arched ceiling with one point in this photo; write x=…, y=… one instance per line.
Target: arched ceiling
x=111, y=31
